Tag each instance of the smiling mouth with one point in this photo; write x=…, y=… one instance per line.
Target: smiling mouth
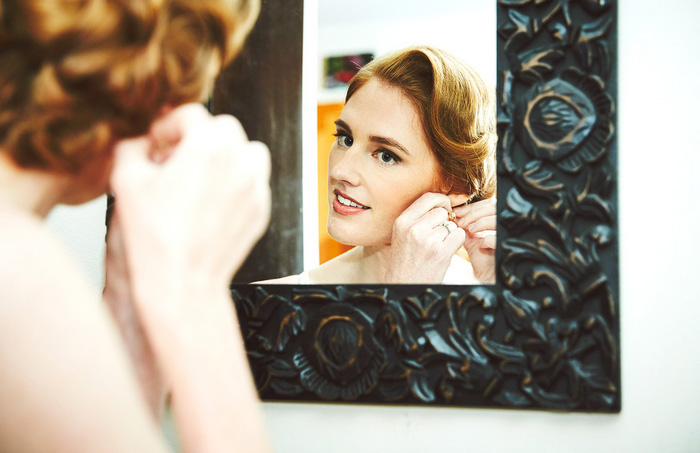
x=347, y=202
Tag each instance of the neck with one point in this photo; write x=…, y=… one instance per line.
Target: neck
x=372, y=263
x=28, y=190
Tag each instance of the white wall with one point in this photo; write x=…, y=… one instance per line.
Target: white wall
x=82, y=228
x=466, y=29
x=659, y=156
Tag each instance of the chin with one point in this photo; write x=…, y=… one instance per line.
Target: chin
x=339, y=233
x=355, y=235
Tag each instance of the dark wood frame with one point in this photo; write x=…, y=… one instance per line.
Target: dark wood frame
x=547, y=335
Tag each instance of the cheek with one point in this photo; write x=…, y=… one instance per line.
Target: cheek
x=412, y=187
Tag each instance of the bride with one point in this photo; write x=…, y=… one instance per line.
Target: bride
x=411, y=175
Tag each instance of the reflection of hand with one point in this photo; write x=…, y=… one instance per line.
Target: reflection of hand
x=479, y=221
x=421, y=248
x=118, y=297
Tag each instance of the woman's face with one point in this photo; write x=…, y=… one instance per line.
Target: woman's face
x=379, y=165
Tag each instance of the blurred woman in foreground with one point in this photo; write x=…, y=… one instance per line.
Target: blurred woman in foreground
x=94, y=95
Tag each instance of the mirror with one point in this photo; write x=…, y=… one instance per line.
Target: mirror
x=346, y=34
x=546, y=336
x=377, y=28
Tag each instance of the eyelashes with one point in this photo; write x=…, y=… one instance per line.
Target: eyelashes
x=384, y=156
x=344, y=140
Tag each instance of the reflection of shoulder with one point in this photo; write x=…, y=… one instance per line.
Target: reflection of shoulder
x=337, y=270
x=460, y=272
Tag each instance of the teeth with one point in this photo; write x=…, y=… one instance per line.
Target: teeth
x=346, y=202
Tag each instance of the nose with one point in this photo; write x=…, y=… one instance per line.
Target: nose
x=343, y=165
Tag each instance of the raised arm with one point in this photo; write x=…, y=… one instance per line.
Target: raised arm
x=188, y=223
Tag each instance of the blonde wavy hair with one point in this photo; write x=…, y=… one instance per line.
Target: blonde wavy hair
x=76, y=75
x=457, y=112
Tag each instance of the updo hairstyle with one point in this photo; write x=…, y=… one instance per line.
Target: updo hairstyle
x=76, y=75
x=457, y=111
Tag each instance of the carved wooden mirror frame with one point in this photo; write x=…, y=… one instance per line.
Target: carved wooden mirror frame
x=546, y=336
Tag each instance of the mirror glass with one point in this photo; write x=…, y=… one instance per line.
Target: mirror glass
x=352, y=33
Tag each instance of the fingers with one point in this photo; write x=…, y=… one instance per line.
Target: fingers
x=470, y=213
x=174, y=125
x=130, y=161
x=199, y=133
x=454, y=239
x=428, y=215
x=489, y=242
x=136, y=156
x=482, y=233
x=426, y=203
x=484, y=224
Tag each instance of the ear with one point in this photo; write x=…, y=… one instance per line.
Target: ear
x=457, y=199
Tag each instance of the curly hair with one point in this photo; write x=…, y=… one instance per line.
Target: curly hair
x=77, y=75
x=457, y=112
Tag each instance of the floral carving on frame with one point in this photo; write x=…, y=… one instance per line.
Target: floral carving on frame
x=546, y=335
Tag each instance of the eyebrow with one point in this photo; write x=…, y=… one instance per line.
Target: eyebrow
x=343, y=125
x=376, y=138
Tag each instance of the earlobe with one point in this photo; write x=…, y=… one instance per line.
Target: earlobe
x=457, y=199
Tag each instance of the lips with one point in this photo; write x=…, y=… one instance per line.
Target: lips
x=343, y=204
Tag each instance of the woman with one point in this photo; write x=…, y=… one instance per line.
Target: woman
x=94, y=93
x=411, y=176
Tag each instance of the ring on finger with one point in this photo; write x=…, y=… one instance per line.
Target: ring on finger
x=452, y=217
x=450, y=225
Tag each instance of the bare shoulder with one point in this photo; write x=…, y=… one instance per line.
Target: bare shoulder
x=60, y=352
x=337, y=270
x=32, y=261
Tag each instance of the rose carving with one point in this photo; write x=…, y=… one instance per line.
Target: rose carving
x=341, y=358
x=566, y=121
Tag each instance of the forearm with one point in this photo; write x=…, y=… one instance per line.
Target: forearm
x=214, y=398
x=143, y=360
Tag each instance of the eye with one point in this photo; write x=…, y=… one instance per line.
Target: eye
x=344, y=140
x=387, y=157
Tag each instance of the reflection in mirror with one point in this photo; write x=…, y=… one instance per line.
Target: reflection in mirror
x=391, y=167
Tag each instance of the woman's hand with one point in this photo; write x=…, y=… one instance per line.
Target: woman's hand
x=421, y=246
x=190, y=218
x=479, y=221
